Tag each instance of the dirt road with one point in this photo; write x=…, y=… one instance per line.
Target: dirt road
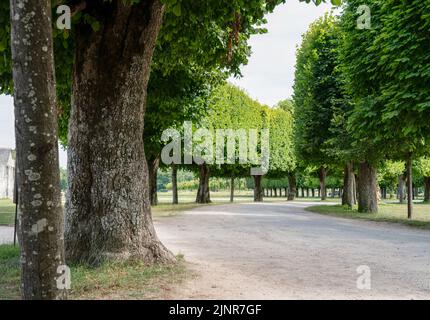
x=280, y=251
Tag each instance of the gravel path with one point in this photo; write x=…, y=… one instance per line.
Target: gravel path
x=280, y=251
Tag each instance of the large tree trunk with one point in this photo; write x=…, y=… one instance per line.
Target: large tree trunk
x=203, y=193
x=348, y=186
x=426, y=189
x=401, y=188
x=232, y=189
x=108, y=207
x=410, y=186
x=175, y=199
x=367, y=188
x=258, y=190
x=153, y=165
x=354, y=181
x=322, y=176
x=41, y=220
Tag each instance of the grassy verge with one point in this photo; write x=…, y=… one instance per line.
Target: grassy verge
x=7, y=212
x=170, y=210
x=128, y=280
x=395, y=213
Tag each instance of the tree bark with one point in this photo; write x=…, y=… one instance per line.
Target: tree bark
x=322, y=177
x=258, y=190
x=108, y=206
x=153, y=165
x=410, y=186
x=232, y=189
x=175, y=199
x=203, y=193
x=348, y=186
x=401, y=188
x=367, y=188
x=40, y=215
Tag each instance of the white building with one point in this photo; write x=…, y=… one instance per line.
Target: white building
x=7, y=173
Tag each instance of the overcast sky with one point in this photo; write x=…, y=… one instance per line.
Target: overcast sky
x=268, y=77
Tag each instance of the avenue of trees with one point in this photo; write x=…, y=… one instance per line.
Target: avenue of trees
x=362, y=100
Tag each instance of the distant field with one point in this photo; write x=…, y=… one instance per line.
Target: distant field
x=388, y=212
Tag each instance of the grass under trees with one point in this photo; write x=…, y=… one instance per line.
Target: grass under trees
x=7, y=212
x=388, y=212
x=126, y=280
x=134, y=280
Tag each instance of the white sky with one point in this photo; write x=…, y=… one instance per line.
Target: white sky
x=268, y=77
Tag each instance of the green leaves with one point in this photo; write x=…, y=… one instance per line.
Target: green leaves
x=389, y=66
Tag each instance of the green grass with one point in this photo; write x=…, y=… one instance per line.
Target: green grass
x=395, y=213
x=7, y=212
x=126, y=280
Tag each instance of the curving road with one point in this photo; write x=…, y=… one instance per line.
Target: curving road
x=280, y=251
